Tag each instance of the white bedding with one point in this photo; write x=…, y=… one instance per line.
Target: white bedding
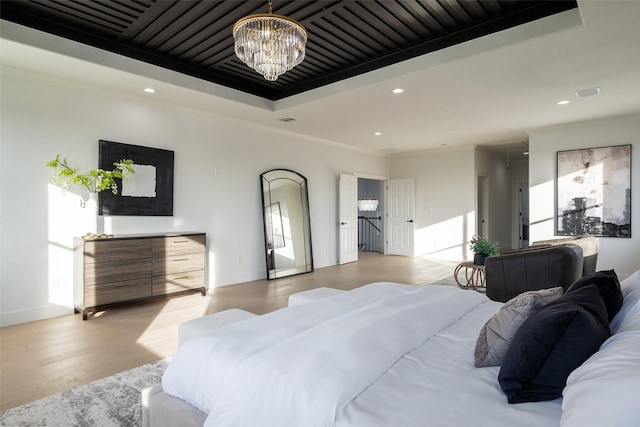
x=381, y=355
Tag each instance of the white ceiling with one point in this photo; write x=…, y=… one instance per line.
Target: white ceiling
x=489, y=91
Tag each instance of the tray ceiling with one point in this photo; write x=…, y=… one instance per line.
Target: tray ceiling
x=346, y=38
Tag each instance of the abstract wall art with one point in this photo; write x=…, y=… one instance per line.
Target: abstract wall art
x=594, y=192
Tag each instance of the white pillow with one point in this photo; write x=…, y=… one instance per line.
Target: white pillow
x=605, y=390
x=496, y=335
x=630, y=303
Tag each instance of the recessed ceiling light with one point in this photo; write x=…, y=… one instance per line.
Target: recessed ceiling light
x=563, y=102
x=149, y=90
x=397, y=90
x=526, y=153
x=377, y=133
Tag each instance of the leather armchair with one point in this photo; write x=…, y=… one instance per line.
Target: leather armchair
x=531, y=269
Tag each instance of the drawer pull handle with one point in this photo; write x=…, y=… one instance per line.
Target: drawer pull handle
x=181, y=277
x=180, y=241
x=181, y=259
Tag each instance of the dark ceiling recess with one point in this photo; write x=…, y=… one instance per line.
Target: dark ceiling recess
x=346, y=38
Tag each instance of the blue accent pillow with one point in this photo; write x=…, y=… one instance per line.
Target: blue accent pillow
x=551, y=343
x=607, y=283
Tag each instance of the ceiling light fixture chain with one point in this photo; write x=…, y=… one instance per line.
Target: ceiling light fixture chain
x=270, y=44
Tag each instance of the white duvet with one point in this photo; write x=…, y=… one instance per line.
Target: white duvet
x=382, y=355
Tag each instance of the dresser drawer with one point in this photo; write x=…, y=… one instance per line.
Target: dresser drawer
x=178, y=263
x=178, y=282
x=116, y=271
x=178, y=245
x=107, y=293
x=116, y=250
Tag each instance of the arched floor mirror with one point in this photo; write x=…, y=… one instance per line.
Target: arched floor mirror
x=287, y=230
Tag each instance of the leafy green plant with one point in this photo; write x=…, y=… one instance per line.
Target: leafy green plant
x=95, y=180
x=483, y=246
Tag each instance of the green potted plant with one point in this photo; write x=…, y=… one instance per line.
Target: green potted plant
x=95, y=180
x=482, y=248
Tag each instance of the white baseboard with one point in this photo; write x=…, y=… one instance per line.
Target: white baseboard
x=33, y=314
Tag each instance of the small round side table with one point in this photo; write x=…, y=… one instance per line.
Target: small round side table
x=473, y=274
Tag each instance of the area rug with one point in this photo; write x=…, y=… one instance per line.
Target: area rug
x=112, y=401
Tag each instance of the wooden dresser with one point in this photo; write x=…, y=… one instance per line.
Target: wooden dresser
x=129, y=269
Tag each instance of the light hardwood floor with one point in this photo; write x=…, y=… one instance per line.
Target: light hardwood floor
x=41, y=358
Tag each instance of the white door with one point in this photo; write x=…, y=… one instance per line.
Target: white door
x=400, y=212
x=348, y=219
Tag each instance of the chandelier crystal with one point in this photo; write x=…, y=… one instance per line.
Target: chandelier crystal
x=270, y=44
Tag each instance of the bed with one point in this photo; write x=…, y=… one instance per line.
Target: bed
x=388, y=354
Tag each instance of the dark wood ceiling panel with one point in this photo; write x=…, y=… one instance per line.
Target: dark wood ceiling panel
x=457, y=12
x=172, y=24
x=157, y=19
x=391, y=14
x=474, y=10
x=404, y=14
x=82, y=17
x=144, y=20
x=101, y=13
x=346, y=38
x=343, y=46
x=493, y=8
x=424, y=15
x=441, y=13
x=211, y=24
x=373, y=24
x=376, y=29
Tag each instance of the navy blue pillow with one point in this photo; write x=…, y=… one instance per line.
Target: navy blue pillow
x=607, y=283
x=551, y=343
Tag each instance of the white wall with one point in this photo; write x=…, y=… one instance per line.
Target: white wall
x=493, y=166
x=621, y=254
x=444, y=200
x=216, y=186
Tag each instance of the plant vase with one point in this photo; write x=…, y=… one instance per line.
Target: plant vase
x=95, y=222
x=479, y=259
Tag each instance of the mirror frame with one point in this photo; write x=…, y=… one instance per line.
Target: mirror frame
x=270, y=205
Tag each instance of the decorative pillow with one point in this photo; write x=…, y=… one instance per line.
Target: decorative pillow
x=497, y=333
x=607, y=283
x=551, y=344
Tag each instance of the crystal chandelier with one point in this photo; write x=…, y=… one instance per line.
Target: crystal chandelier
x=270, y=44
x=367, y=205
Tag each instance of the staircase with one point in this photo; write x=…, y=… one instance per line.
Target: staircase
x=369, y=234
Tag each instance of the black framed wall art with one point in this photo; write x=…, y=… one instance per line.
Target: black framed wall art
x=149, y=190
x=594, y=192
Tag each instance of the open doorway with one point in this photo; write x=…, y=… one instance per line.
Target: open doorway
x=353, y=191
x=370, y=206
x=523, y=214
x=384, y=229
